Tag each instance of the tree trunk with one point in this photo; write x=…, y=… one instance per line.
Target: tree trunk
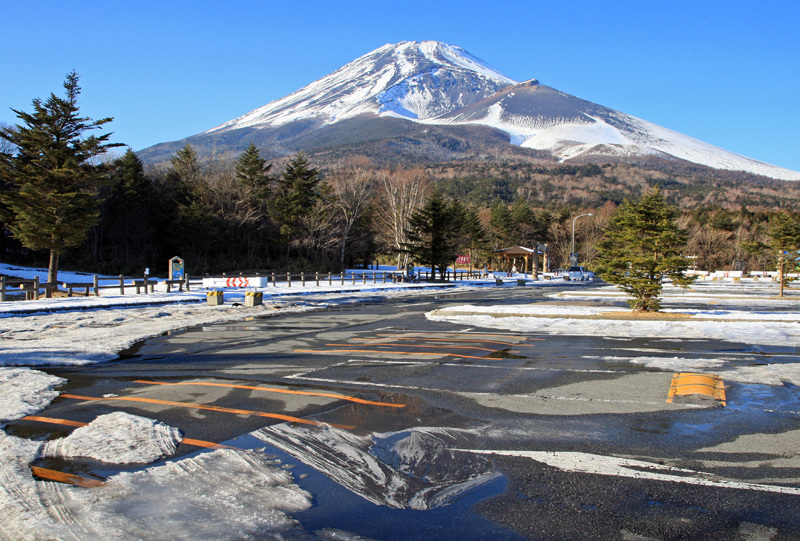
x=52, y=270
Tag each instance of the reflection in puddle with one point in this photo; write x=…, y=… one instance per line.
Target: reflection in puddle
x=337, y=507
x=415, y=468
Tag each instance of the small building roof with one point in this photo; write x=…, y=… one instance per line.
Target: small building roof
x=515, y=250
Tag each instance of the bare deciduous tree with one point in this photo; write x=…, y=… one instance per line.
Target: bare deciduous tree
x=354, y=190
x=402, y=192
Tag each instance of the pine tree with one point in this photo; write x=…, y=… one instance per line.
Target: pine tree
x=298, y=191
x=434, y=233
x=501, y=225
x=641, y=248
x=127, y=215
x=253, y=172
x=784, y=232
x=52, y=200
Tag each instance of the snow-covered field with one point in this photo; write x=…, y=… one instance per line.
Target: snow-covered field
x=236, y=494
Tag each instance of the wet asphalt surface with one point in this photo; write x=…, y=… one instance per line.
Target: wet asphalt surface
x=496, y=390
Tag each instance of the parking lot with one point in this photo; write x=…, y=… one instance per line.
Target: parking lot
x=389, y=413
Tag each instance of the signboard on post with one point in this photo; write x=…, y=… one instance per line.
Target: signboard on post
x=463, y=260
x=176, y=269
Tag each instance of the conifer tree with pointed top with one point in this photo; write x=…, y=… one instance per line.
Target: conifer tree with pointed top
x=52, y=201
x=253, y=172
x=435, y=233
x=642, y=248
x=298, y=191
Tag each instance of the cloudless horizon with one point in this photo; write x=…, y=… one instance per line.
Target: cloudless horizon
x=726, y=73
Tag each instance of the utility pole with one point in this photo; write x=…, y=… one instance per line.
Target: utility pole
x=573, y=257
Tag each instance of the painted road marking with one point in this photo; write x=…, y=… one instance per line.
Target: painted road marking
x=275, y=390
x=635, y=469
x=419, y=346
x=395, y=337
x=52, y=420
x=187, y=441
x=206, y=444
x=414, y=334
x=189, y=405
x=329, y=351
x=69, y=478
x=687, y=383
x=304, y=376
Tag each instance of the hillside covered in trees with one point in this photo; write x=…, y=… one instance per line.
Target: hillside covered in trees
x=243, y=213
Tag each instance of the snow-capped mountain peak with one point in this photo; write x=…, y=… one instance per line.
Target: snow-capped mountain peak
x=414, y=80
x=443, y=85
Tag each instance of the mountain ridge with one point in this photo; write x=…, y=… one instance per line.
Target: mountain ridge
x=443, y=86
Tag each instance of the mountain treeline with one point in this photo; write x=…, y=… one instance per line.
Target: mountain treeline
x=246, y=214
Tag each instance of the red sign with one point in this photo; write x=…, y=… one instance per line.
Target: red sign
x=462, y=259
x=238, y=281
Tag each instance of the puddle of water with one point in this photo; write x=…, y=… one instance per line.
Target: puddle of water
x=504, y=354
x=337, y=507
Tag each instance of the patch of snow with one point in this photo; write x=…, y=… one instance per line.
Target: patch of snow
x=118, y=438
x=636, y=469
x=224, y=494
x=24, y=392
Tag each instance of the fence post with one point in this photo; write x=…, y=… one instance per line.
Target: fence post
x=316, y=275
x=121, y=285
x=330, y=279
x=2, y=289
x=186, y=277
x=289, y=279
x=35, y=288
x=274, y=283
x=342, y=277
x=96, y=285
x=374, y=277
x=354, y=278
x=303, y=278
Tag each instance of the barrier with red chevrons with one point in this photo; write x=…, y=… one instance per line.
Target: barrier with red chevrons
x=236, y=282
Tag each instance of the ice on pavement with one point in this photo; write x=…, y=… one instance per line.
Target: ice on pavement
x=24, y=391
x=224, y=494
x=118, y=438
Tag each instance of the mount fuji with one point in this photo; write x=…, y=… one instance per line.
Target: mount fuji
x=406, y=90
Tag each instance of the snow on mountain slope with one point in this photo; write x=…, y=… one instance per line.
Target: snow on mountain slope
x=435, y=83
x=540, y=117
x=410, y=80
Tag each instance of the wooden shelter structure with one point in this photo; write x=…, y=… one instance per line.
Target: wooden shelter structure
x=508, y=257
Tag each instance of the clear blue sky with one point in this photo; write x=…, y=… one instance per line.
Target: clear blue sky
x=725, y=72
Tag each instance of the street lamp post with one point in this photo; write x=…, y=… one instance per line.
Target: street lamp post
x=573, y=256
